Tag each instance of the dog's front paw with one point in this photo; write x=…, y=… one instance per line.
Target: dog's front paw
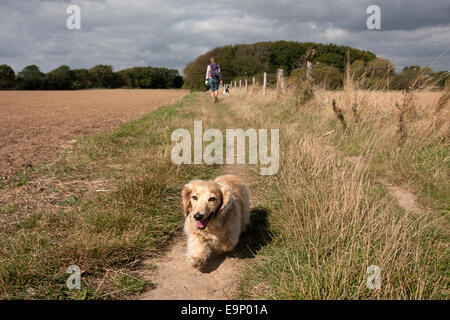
x=198, y=261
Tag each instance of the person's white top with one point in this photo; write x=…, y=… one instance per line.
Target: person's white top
x=208, y=72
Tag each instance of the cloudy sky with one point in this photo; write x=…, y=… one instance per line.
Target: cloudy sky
x=170, y=33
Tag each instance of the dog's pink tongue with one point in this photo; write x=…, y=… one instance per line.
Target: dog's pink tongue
x=200, y=224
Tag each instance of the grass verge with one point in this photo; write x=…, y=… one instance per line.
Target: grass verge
x=331, y=219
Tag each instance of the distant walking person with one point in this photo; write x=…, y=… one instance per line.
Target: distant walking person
x=213, y=78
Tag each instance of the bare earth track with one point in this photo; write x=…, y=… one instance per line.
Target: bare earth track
x=37, y=124
x=173, y=278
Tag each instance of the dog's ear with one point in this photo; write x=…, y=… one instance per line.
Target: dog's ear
x=186, y=196
x=226, y=195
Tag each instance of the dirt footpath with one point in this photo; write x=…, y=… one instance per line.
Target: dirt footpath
x=38, y=124
x=171, y=275
x=175, y=279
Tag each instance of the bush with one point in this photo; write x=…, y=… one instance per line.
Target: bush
x=323, y=75
x=412, y=76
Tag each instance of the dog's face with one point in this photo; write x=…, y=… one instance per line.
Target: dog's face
x=202, y=200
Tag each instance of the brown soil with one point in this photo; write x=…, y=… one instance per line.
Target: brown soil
x=39, y=124
x=407, y=200
x=173, y=278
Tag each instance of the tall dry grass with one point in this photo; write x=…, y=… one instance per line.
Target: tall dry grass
x=332, y=218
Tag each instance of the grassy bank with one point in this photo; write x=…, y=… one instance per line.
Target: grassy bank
x=331, y=218
x=104, y=204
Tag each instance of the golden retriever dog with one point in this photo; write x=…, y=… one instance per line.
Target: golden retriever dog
x=216, y=213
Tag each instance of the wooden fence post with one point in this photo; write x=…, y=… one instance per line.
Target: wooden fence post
x=280, y=80
x=309, y=55
x=264, y=83
x=253, y=81
x=308, y=73
x=245, y=84
x=240, y=83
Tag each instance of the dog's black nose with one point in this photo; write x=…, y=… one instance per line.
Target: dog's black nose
x=198, y=216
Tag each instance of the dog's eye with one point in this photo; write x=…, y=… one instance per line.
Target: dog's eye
x=212, y=199
x=194, y=197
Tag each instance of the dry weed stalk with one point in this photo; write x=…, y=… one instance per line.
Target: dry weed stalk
x=309, y=56
x=356, y=115
x=406, y=110
x=348, y=74
x=401, y=131
x=401, y=128
x=348, y=83
x=339, y=114
x=302, y=94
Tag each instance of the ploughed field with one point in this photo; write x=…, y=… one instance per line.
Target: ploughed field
x=38, y=124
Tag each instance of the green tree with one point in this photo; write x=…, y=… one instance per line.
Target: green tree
x=102, y=76
x=7, y=77
x=379, y=73
x=439, y=79
x=149, y=77
x=80, y=79
x=248, y=60
x=31, y=78
x=413, y=77
x=177, y=81
x=380, y=67
x=59, y=79
x=332, y=59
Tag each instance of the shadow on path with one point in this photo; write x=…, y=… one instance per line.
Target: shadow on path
x=251, y=241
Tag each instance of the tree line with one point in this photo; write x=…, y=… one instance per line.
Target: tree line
x=377, y=74
x=245, y=61
x=100, y=76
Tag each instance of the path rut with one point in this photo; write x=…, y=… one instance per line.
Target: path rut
x=405, y=199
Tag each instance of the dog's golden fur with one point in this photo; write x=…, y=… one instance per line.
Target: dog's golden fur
x=224, y=205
